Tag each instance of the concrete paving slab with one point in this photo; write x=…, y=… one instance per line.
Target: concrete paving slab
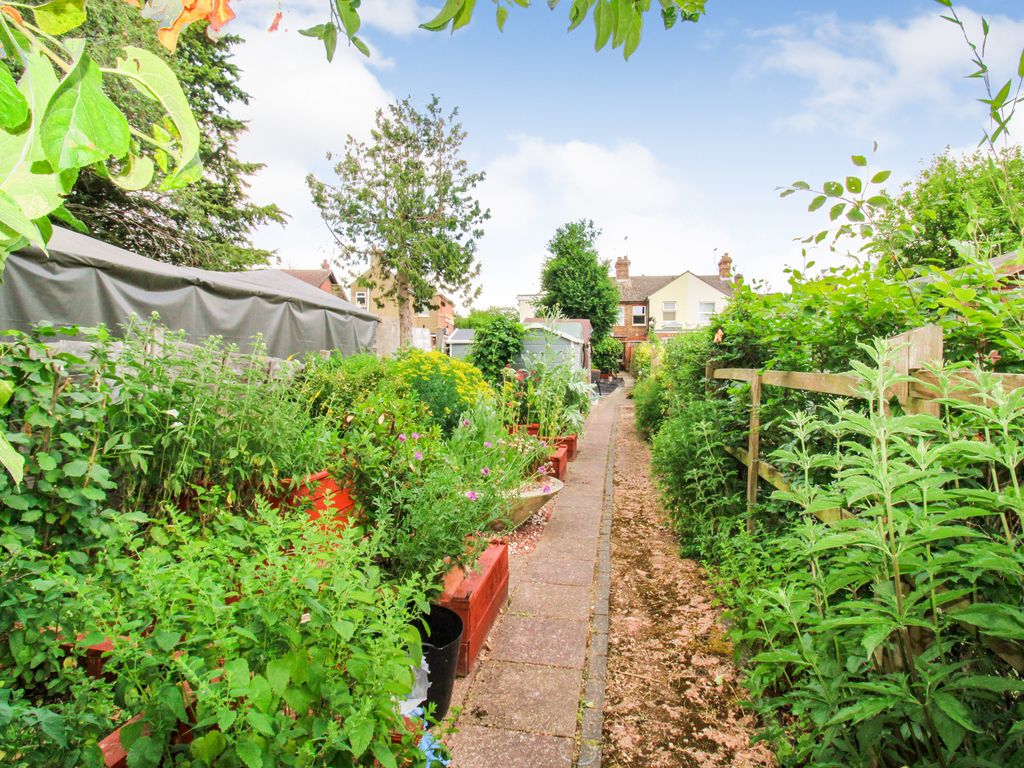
x=567, y=546
x=558, y=571
x=525, y=697
x=536, y=640
x=559, y=601
x=479, y=747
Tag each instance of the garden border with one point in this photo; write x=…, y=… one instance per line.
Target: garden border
x=592, y=702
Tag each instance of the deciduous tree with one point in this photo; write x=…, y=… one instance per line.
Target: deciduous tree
x=403, y=202
x=575, y=280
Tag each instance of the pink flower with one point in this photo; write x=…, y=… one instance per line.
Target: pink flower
x=485, y=471
x=418, y=455
x=415, y=435
x=471, y=495
x=543, y=470
x=402, y=438
x=465, y=422
x=546, y=489
x=487, y=443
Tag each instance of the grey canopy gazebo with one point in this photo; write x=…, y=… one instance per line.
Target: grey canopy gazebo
x=85, y=282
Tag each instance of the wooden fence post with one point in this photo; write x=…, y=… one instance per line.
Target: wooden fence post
x=753, y=448
x=912, y=351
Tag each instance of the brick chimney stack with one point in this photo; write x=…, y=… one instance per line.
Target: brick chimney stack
x=325, y=265
x=622, y=268
x=725, y=267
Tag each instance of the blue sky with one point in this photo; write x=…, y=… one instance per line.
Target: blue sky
x=680, y=149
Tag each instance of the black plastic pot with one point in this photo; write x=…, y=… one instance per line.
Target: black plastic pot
x=441, y=631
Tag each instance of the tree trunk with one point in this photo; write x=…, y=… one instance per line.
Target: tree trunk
x=403, y=296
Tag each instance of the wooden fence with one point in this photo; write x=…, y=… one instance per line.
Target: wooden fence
x=911, y=352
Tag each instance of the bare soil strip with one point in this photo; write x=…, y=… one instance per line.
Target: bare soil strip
x=672, y=697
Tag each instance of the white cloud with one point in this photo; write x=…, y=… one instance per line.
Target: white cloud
x=861, y=74
x=539, y=185
x=301, y=108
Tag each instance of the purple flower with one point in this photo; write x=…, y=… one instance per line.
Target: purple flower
x=543, y=470
x=418, y=455
x=465, y=422
x=415, y=435
x=471, y=495
x=402, y=438
x=546, y=489
x=487, y=443
x=485, y=471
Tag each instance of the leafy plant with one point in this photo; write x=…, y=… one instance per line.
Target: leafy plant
x=607, y=355
x=497, y=344
x=448, y=387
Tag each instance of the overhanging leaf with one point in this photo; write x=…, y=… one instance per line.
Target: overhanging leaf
x=13, y=105
x=153, y=78
x=59, y=16
x=81, y=125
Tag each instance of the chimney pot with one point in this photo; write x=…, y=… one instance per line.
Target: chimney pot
x=622, y=268
x=725, y=267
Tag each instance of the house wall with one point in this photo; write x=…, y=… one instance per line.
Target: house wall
x=439, y=321
x=687, y=291
x=630, y=335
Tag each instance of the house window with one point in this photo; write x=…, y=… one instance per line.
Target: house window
x=668, y=311
x=361, y=299
x=620, y=317
x=705, y=311
x=639, y=314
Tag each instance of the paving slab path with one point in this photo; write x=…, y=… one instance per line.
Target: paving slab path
x=535, y=698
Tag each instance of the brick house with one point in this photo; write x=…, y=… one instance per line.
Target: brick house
x=322, y=278
x=438, y=317
x=666, y=305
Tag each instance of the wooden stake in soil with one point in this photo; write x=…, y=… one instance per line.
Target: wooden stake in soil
x=753, y=448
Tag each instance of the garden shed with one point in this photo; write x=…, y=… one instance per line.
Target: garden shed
x=564, y=340
x=83, y=281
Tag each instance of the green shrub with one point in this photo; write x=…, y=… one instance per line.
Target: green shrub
x=448, y=387
x=642, y=362
x=700, y=484
x=497, y=344
x=649, y=403
x=332, y=387
x=606, y=355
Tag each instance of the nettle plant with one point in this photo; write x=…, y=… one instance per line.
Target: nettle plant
x=894, y=636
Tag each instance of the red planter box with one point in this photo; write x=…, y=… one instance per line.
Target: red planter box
x=478, y=600
x=560, y=462
x=569, y=441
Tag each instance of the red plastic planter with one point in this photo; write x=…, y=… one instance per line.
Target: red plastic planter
x=478, y=600
x=325, y=496
x=560, y=461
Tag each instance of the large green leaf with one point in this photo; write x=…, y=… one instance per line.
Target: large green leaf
x=13, y=106
x=40, y=192
x=13, y=221
x=59, y=16
x=81, y=125
x=13, y=461
x=153, y=78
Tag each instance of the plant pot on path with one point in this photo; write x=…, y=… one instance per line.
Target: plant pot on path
x=441, y=631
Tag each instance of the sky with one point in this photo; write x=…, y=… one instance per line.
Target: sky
x=677, y=155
